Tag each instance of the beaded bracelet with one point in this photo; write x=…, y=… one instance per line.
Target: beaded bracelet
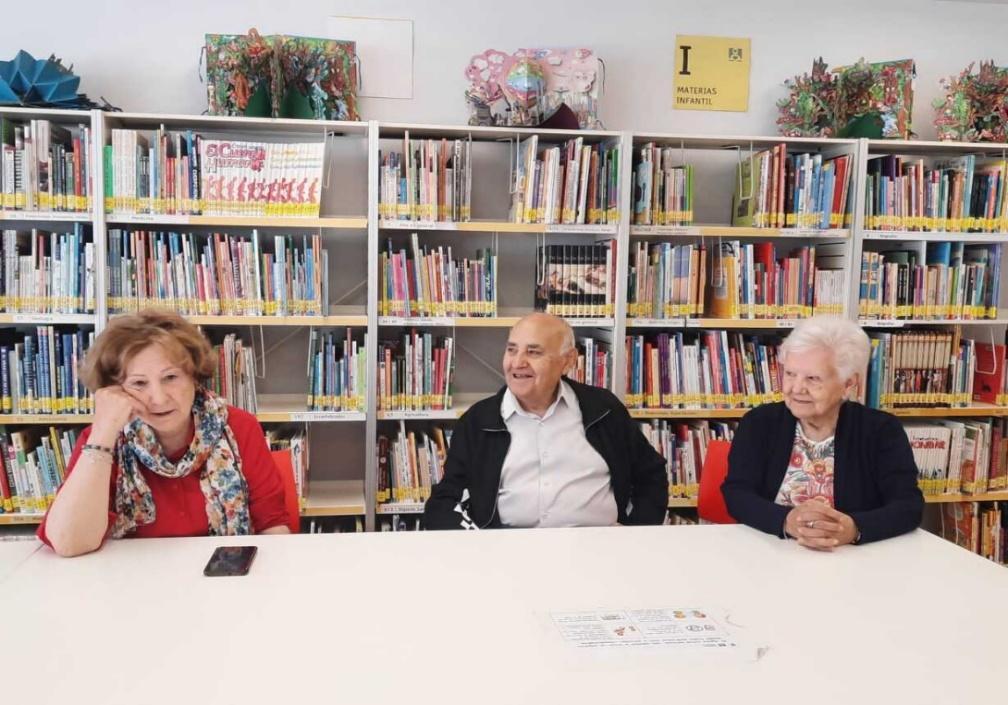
x=97, y=448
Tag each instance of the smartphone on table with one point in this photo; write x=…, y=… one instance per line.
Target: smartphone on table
x=230, y=560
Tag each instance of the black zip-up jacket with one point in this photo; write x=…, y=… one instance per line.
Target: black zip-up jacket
x=480, y=443
x=874, y=477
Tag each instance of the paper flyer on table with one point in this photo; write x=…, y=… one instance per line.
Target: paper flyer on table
x=674, y=630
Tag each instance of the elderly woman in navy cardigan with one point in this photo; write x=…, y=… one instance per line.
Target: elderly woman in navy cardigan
x=818, y=467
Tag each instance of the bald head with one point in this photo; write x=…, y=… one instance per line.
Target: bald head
x=539, y=350
x=548, y=327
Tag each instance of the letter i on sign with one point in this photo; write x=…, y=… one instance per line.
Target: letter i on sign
x=684, y=67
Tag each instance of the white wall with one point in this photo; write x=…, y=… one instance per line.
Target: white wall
x=143, y=55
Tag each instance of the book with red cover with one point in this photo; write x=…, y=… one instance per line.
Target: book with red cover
x=988, y=379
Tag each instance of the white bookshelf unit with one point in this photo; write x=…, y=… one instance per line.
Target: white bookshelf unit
x=343, y=444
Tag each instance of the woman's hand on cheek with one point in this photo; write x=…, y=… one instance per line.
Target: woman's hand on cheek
x=114, y=408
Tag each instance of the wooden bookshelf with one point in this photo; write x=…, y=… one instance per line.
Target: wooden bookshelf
x=682, y=502
x=688, y=413
x=224, y=221
x=506, y=319
x=448, y=321
x=479, y=133
x=715, y=142
x=742, y=323
x=44, y=217
x=685, y=502
x=226, y=124
x=461, y=404
x=655, y=322
x=282, y=408
x=497, y=226
x=933, y=236
x=906, y=323
x=973, y=411
x=767, y=233
x=325, y=499
x=48, y=319
x=16, y=519
x=474, y=226
x=949, y=498
x=335, y=498
x=943, y=148
x=715, y=323
x=422, y=415
x=273, y=408
x=346, y=498
x=736, y=231
x=945, y=412
x=338, y=317
x=45, y=419
x=399, y=508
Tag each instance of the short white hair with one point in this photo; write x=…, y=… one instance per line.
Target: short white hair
x=849, y=344
x=568, y=342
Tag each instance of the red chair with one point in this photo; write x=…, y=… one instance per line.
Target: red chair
x=710, y=504
x=282, y=460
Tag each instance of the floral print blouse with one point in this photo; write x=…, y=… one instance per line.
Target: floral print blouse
x=810, y=473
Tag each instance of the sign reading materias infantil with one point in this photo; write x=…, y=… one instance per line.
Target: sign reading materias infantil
x=711, y=73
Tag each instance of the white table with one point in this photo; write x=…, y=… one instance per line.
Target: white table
x=14, y=553
x=460, y=618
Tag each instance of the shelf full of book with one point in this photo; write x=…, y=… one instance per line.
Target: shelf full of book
x=478, y=227
x=332, y=498
x=259, y=232
x=928, y=237
x=683, y=502
x=397, y=256
x=727, y=234
x=50, y=298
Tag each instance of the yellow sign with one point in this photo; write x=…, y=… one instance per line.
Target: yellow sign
x=712, y=73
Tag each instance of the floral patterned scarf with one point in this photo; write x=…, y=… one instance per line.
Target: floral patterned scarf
x=213, y=453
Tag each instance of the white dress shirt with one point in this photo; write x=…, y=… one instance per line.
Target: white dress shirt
x=551, y=475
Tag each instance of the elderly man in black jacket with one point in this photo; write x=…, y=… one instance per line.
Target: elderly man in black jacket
x=546, y=451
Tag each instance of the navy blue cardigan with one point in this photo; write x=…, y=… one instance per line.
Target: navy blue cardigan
x=874, y=477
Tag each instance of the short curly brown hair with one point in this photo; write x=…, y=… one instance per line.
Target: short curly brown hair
x=126, y=335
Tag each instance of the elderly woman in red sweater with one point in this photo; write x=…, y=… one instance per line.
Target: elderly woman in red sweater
x=164, y=456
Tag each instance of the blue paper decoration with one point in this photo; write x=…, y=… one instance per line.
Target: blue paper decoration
x=25, y=80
